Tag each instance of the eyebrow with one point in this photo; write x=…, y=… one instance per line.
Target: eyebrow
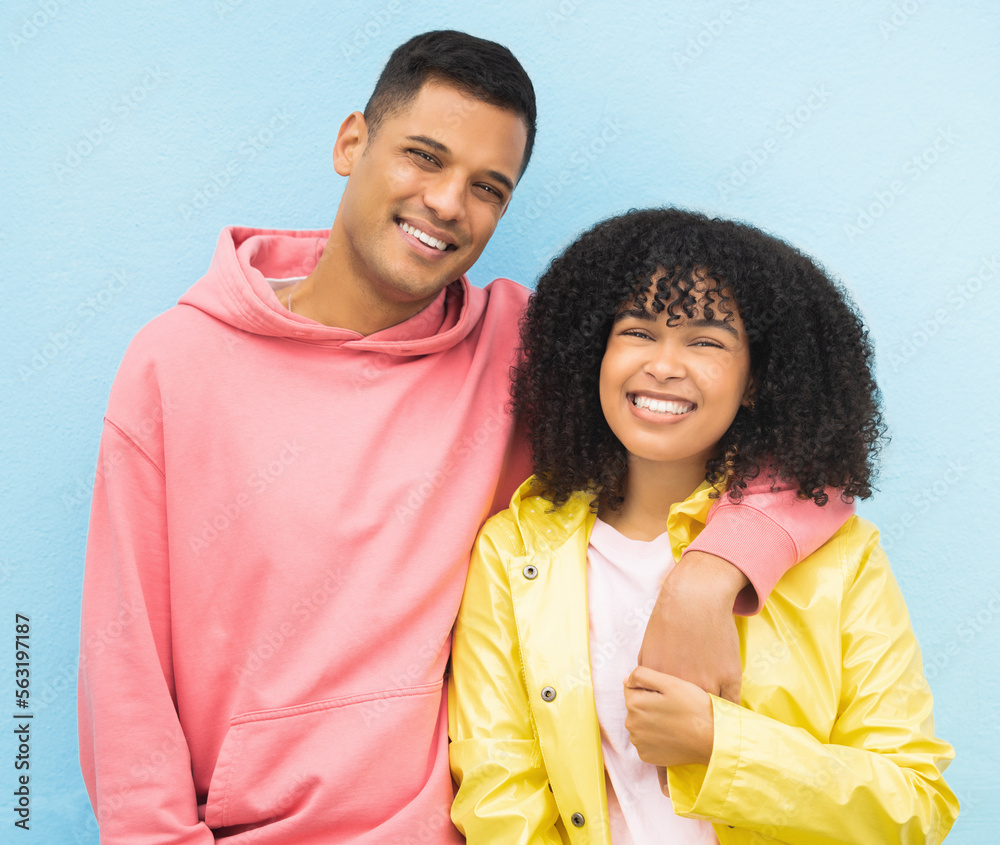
x=438, y=147
x=636, y=313
x=699, y=323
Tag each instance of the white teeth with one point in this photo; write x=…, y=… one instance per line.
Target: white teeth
x=661, y=406
x=423, y=237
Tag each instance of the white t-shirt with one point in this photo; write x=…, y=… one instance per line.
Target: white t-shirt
x=623, y=580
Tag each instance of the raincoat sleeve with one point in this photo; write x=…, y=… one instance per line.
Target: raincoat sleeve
x=877, y=778
x=126, y=687
x=767, y=533
x=503, y=791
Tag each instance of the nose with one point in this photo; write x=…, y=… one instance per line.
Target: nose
x=666, y=359
x=445, y=196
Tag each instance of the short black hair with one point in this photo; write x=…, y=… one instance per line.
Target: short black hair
x=482, y=69
x=816, y=416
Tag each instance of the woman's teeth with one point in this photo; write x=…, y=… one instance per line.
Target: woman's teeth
x=661, y=406
x=423, y=237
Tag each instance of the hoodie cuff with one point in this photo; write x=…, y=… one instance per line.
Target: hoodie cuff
x=752, y=542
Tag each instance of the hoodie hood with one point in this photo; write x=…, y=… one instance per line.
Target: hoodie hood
x=236, y=291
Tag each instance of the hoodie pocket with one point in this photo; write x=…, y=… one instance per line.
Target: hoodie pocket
x=353, y=761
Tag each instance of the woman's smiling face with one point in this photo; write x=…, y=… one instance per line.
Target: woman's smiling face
x=670, y=392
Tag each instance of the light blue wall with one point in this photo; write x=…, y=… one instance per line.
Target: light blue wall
x=866, y=133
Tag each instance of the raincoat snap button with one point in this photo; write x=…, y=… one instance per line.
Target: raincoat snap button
x=578, y=820
x=549, y=694
x=530, y=572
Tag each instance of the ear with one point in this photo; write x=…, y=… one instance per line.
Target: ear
x=350, y=145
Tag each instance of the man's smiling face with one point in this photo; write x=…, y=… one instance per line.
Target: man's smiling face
x=424, y=193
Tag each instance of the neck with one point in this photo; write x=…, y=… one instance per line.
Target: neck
x=651, y=489
x=329, y=296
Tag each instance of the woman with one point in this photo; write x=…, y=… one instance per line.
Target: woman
x=669, y=358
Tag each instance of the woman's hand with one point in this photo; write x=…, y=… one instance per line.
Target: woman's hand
x=669, y=721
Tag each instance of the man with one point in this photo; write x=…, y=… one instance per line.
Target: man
x=294, y=465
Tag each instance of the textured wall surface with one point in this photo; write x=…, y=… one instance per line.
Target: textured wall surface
x=865, y=133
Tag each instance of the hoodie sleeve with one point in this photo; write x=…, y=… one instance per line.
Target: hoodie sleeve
x=767, y=533
x=133, y=752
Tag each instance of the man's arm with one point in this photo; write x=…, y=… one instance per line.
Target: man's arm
x=126, y=694
x=875, y=775
x=515, y=469
x=732, y=566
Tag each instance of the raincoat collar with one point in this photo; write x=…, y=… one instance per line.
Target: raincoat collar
x=546, y=528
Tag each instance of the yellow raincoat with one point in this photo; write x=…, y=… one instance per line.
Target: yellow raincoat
x=833, y=740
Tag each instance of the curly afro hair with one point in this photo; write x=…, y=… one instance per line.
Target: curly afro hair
x=816, y=420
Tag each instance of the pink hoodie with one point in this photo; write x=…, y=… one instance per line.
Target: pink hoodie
x=279, y=539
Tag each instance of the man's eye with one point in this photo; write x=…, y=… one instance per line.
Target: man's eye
x=423, y=156
x=492, y=191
